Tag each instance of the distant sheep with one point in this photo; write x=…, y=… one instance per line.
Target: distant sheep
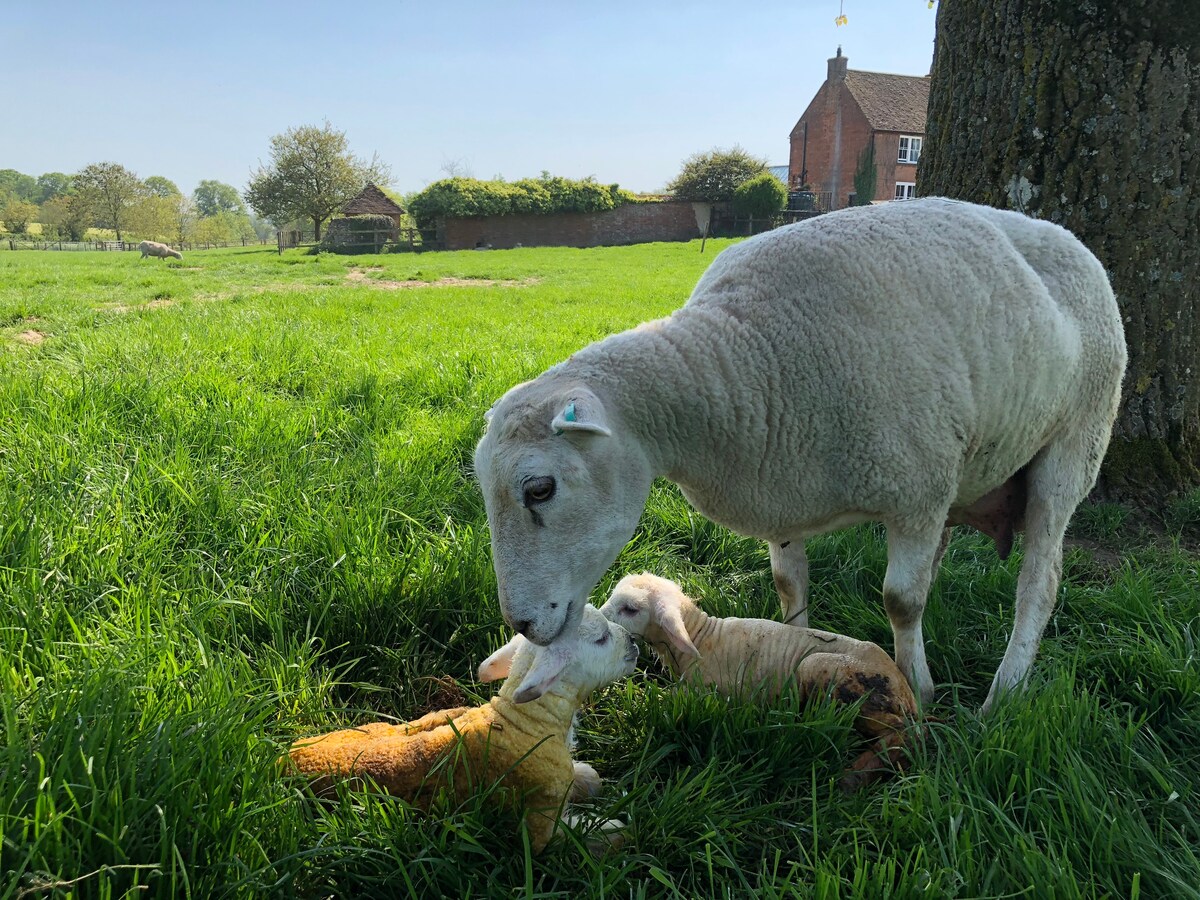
x=154, y=248
x=920, y=364
x=761, y=658
x=519, y=738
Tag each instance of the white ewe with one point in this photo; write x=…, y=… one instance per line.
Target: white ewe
x=920, y=364
x=154, y=248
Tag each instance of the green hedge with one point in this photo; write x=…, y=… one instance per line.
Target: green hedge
x=459, y=197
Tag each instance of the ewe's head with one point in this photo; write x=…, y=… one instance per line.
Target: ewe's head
x=598, y=653
x=564, y=485
x=651, y=608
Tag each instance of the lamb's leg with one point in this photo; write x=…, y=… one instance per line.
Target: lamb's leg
x=911, y=554
x=606, y=836
x=435, y=719
x=1058, y=479
x=585, y=784
x=789, y=566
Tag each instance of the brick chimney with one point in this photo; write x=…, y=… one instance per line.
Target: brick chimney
x=837, y=67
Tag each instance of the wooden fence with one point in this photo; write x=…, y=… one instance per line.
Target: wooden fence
x=384, y=240
x=15, y=244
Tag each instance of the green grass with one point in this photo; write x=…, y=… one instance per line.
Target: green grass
x=236, y=507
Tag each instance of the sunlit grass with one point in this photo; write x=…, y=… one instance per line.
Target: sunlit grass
x=236, y=507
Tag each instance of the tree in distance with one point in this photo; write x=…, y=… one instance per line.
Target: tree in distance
x=157, y=186
x=310, y=174
x=213, y=197
x=109, y=191
x=714, y=176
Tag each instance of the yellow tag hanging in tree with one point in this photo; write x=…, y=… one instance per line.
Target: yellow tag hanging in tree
x=841, y=17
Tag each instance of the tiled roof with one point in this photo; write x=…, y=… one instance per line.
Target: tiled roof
x=891, y=102
x=371, y=201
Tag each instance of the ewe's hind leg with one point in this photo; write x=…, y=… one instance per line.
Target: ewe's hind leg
x=1058, y=479
x=911, y=555
x=789, y=566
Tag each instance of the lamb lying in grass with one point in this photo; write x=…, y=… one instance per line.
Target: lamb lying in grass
x=154, y=248
x=519, y=738
x=760, y=657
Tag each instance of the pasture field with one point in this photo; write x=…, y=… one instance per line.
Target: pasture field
x=236, y=508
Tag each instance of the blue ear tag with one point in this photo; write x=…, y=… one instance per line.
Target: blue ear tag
x=568, y=415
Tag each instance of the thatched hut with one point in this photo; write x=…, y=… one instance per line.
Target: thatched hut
x=371, y=201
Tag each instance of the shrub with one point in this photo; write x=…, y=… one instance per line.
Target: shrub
x=714, y=176
x=864, y=176
x=17, y=214
x=459, y=197
x=760, y=196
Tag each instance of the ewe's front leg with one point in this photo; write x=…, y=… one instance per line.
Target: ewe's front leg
x=911, y=555
x=789, y=566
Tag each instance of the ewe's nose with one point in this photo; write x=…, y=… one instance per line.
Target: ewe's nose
x=522, y=627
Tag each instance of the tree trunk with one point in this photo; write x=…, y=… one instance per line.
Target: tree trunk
x=1088, y=114
x=316, y=228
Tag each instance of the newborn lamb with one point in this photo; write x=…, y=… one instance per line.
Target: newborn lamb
x=744, y=657
x=519, y=738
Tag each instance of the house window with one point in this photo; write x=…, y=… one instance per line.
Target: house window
x=905, y=190
x=910, y=149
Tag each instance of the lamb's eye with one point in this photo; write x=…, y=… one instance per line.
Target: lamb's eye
x=602, y=640
x=539, y=490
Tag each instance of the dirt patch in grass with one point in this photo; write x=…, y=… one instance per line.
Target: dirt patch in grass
x=359, y=276
x=32, y=337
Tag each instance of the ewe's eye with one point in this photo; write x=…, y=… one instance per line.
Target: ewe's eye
x=539, y=490
x=602, y=640
x=627, y=610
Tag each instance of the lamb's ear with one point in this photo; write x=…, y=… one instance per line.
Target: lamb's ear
x=497, y=665
x=670, y=620
x=548, y=664
x=582, y=411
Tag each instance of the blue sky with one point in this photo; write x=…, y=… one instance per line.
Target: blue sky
x=623, y=91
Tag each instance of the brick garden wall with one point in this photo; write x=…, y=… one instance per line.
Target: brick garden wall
x=632, y=223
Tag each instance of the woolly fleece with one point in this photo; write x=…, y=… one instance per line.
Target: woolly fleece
x=918, y=364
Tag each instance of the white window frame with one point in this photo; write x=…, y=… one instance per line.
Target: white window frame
x=910, y=148
x=905, y=190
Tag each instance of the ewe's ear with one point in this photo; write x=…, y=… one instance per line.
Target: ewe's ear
x=670, y=620
x=548, y=664
x=499, y=664
x=582, y=411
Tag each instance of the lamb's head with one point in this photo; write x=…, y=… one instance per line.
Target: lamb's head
x=564, y=485
x=651, y=608
x=597, y=653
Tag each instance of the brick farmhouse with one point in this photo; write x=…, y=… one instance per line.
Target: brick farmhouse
x=849, y=111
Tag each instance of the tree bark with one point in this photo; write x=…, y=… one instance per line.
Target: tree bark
x=1087, y=113
x=316, y=228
